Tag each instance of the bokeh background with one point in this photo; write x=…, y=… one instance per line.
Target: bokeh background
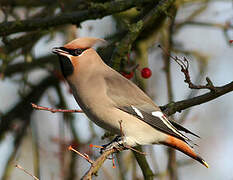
x=201, y=32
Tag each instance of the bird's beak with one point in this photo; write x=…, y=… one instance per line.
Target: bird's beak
x=59, y=51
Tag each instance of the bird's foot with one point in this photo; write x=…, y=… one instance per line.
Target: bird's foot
x=117, y=143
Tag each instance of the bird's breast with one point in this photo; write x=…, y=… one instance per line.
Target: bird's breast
x=95, y=104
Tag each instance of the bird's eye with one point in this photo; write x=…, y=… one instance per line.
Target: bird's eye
x=77, y=52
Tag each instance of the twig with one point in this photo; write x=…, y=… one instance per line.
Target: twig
x=135, y=150
x=184, y=64
x=225, y=26
x=56, y=110
x=24, y=170
x=85, y=156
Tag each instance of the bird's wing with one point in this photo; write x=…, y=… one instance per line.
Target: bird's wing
x=129, y=98
x=156, y=119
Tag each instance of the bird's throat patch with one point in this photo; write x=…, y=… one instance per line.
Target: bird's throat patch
x=66, y=66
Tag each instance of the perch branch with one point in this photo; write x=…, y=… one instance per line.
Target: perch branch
x=98, y=163
x=95, y=165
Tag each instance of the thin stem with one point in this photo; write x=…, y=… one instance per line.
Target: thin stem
x=55, y=110
x=24, y=170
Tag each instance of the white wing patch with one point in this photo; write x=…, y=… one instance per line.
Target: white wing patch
x=161, y=116
x=137, y=111
x=158, y=114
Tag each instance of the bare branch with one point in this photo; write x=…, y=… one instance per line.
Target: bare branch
x=184, y=64
x=56, y=110
x=225, y=26
x=178, y=106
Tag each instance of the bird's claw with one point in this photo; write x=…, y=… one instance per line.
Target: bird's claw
x=117, y=143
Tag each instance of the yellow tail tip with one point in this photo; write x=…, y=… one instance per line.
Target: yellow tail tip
x=205, y=164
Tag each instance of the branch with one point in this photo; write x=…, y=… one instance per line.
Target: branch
x=214, y=93
x=98, y=163
x=178, y=106
x=55, y=110
x=95, y=11
x=95, y=165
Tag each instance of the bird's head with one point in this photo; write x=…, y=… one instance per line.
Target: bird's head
x=71, y=53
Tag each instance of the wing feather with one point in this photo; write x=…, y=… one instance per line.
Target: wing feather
x=181, y=128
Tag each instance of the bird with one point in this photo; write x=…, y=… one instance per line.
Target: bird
x=115, y=103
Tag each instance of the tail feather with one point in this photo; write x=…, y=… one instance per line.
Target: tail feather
x=183, y=147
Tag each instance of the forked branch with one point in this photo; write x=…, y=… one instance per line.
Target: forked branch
x=184, y=65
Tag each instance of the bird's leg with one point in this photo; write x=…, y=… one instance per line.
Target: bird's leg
x=117, y=143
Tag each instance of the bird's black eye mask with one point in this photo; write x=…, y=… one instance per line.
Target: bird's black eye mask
x=73, y=52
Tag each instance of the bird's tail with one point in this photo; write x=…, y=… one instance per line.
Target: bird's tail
x=183, y=147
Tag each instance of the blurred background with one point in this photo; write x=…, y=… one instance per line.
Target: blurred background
x=200, y=30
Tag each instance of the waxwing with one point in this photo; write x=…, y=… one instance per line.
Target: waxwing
x=108, y=98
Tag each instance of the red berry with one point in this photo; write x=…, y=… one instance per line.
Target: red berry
x=128, y=75
x=230, y=41
x=146, y=73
